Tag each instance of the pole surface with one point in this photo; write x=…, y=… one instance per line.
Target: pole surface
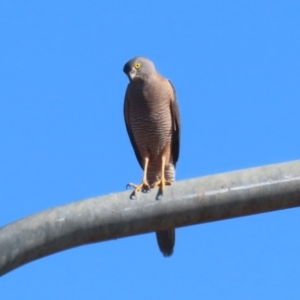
x=187, y=202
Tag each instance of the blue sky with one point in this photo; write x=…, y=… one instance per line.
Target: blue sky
x=236, y=69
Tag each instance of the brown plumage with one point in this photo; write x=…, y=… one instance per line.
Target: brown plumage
x=153, y=125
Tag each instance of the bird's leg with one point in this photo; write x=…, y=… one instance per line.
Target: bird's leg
x=162, y=182
x=144, y=186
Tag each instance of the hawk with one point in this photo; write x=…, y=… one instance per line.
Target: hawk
x=153, y=125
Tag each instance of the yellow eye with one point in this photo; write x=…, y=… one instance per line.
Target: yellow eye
x=137, y=65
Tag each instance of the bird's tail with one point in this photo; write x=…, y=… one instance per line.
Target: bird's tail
x=166, y=241
x=165, y=238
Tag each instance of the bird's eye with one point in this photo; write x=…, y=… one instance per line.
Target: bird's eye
x=137, y=65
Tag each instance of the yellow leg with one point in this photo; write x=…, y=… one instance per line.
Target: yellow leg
x=144, y=185
x=162, y=182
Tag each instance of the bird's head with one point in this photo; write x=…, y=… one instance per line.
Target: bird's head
x=139, y=69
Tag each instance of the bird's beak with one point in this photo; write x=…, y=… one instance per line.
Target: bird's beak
x=132, y=73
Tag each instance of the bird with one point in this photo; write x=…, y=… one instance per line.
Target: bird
x=152, y=119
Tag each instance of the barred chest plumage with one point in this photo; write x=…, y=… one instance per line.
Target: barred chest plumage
x=150, y=115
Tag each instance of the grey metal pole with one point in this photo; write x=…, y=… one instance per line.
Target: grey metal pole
x=187, y=202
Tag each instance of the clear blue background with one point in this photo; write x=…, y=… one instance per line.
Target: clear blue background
x=236, y=68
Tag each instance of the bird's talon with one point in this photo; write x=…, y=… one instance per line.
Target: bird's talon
x=131, y=185
x=144, y=186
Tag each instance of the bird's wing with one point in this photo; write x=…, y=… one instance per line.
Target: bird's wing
x=176, y=126
x=129, y=130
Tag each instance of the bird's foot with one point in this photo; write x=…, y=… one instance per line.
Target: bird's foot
x=144, y=187
x=161, y=183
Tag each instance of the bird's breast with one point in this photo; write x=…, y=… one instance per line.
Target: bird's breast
x=150, y=116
